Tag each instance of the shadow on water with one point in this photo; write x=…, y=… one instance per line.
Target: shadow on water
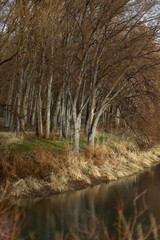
x=52, y=217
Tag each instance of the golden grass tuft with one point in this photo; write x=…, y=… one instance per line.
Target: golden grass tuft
x=7, y=138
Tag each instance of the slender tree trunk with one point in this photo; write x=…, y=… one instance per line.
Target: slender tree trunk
x=118, y=118
x=8, y=110
x=66, y=110
x=39, y=113
x=77, y=113
x=11, y=123
x=13, y=115
x=87, y=123
x=76, y=136
x=6, y=116
x=91, y=135
x=56, y=111
x=25, y=107
x=68, y=118
x=63, y=112
x=19, y=100
x=39, y=121
x=34, y=112
x=66, y=122
x=76, y=128
x=48, y=110
x=31, y=103
x=49, y=95
x=90, y=114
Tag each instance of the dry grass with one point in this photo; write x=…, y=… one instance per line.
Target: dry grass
x=40, y=172
x=7, y=138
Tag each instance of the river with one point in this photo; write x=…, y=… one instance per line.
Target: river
x=52, y=218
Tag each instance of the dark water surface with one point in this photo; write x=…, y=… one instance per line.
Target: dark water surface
x=53, y=217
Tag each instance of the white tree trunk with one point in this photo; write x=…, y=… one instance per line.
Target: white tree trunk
x=39, y=113
x=93, y=127
x=76, y=128
x=48, y=109
x=19, y=100
x=118, y=114
x=25, y=107
x=56, y=111
x=34, y=112
x=76, y=136
x=90, y=113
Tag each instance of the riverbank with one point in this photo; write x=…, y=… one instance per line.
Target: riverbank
x=38, y=167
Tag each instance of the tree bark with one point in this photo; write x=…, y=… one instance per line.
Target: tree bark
x=39, y=113
x=25, y=107
x=48, y=109
x=19, y=100
x=56, y=112
x=91, y=135
x=39, y=129
x=90, y=114
x=8, y=111
x=34, y=112
x=76, y=136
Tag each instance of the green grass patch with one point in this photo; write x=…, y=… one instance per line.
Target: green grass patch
x=60, y=145
x=112, y=138
x=27, y=146
x=57, y=146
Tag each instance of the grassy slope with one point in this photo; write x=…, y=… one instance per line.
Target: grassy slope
x=41, y=167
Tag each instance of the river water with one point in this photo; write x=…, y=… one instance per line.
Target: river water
x=53, y=218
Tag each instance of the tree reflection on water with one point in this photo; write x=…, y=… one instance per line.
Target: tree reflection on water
x=118, y=208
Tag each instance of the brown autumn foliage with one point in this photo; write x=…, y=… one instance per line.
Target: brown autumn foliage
x=69, y=57
x=37, y=163
x=139, y=109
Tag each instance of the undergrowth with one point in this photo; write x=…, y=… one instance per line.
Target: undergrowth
x=36, y=165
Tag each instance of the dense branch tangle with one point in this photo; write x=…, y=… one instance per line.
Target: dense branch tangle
x=73, y=60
